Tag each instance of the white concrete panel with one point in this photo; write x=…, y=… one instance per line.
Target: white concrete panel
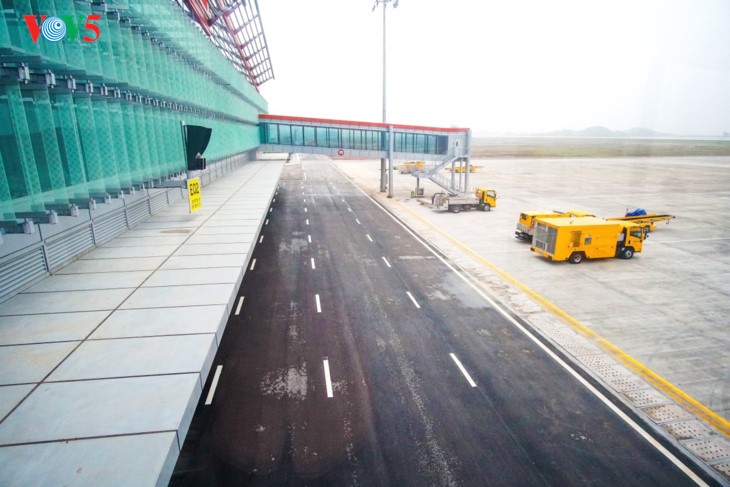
x=88, y=282
x=15, y=330
x=130, y=252
x=68, y=410
x=135, y=460
x=228, y=230
x=180, y=277
x=10, y=396
x=213, y=249
x=146, y=241
x=64, y=302
x=204, y=261
x=163, y=321
x=84, y=266
x=199, y=239
x=166, y=225
x=194, y=295
x=31, y=363
x=127, y=357
x=144, y=234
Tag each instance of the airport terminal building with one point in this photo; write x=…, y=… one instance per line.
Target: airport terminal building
x=91, y=123
x=93, y=98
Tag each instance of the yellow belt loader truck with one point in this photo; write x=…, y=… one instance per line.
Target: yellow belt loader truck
x=526, y=223
x=645, y=220
x=576, y=239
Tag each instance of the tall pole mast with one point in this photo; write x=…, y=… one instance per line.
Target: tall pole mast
x=382, y=160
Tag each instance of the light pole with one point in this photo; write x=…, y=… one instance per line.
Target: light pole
x=382, y=160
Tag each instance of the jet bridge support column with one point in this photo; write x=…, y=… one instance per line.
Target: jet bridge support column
x=467, y=153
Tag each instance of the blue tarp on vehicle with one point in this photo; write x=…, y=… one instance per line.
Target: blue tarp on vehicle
x=637, y=212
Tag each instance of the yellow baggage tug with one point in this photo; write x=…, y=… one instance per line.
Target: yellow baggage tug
x=579, y=238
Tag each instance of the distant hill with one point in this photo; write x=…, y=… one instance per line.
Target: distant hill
x=600, y=131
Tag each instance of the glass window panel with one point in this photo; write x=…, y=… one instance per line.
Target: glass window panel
x=285, y=134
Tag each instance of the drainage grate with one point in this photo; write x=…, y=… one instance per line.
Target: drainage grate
x=710, y=449
x=543, y=321
x=596, y=361
x=621, y=380
x=668, y=412
x=644, y=398
x=523, y=305
x=687, y=430
x=723, y=468
x=577, y=350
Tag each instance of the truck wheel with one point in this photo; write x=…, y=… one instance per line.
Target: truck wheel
x=647, y=229
x=455, y=208
x=576, y=258
x=487, y=207
x=628, y=253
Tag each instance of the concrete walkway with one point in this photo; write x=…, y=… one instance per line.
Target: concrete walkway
x=102, y=365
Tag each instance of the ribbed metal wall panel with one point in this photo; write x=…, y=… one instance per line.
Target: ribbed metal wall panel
x=174, y=196
x=109, y=227
x=17, y=271
x=138, y=212
x=158, y=202
x=67, y=246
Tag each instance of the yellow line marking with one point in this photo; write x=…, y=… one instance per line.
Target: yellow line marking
x=684, y=399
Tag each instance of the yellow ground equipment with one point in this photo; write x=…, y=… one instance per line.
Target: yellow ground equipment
x=410, y=167
x=646, y=221
x=483, y=199
x=579, y=238
x=460, y=169
x=526, y=223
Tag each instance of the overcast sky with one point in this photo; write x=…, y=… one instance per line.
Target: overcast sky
x=505, y=66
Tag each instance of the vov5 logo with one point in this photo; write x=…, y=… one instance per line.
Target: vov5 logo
x=55, y=28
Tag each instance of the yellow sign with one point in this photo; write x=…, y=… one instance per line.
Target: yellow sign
x=194, y=197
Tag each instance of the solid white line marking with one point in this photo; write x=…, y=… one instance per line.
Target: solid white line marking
x=413, y=299
x=309, y=238
x=261, y=239
x=305, y=209
x=358, y=221
x=313, y=263
x=253, y=264
x=319, y=306
x=267, y=222
x=463, y=370
x=670, y=456
x=387, y=263
x=368, y=236
x=327, y=379
x=307, y=221
x=238, y=308
x=213, y=385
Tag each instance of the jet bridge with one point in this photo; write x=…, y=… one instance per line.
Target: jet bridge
x=367, y=140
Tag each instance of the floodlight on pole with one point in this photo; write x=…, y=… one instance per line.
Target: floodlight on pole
x=382, y=161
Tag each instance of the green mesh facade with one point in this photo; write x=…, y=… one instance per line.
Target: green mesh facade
x=84, y=119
